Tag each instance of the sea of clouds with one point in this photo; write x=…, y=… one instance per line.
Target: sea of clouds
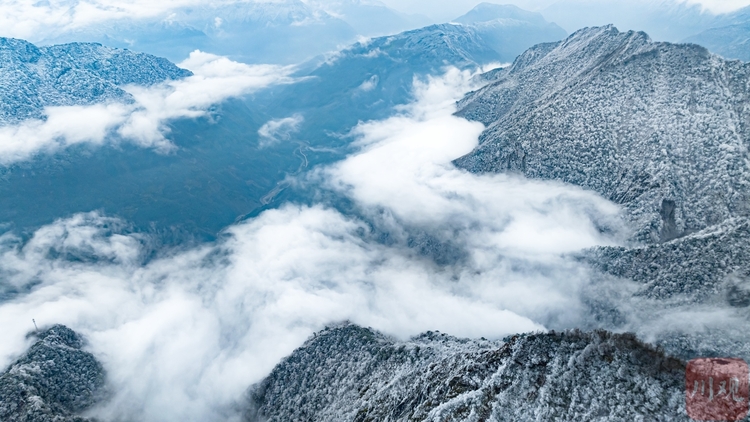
x=183, y=336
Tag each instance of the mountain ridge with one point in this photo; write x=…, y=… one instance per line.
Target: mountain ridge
x=347, y=372
x=32, y=78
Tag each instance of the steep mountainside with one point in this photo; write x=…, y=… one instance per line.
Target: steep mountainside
x=53, y=381
x=673, y=293
x=349, y=373
x=660, y=128
x=366, y=80
x=32, y=78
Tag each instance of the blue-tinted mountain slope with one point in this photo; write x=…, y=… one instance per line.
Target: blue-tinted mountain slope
x=220, y=171
x=32, y=77
x=729, y=36
x=511, y=30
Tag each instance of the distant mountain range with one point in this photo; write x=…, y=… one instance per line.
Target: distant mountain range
x=725, y=34
x=292, y=31
x=287, y=31
x=222, y=170
x=510, y=30
x=732, y=41
x=664, y=20
x=729, y=36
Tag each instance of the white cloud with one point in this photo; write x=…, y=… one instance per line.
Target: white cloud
x=275, y=131
x=369, y=84
x=63, y=127
x=183, y=336
x=215, y=79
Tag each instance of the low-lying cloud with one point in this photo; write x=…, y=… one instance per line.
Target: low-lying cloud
x=275, y=131
x=214, y=80
x=183, y=336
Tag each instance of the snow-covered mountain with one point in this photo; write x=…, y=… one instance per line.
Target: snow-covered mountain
x=667, y=137
x=349, y=373
x=32, y=77
x=53, y=381
x=366, y=80
x=701, y=273
x=660, y=129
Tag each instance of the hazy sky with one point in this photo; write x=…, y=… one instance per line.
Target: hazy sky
x=35, y=20
x=447, y=9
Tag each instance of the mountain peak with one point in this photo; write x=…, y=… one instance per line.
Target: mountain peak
x=485, y=12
